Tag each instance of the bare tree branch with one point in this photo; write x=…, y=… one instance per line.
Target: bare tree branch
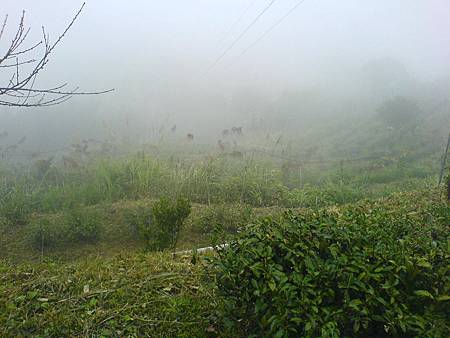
x=19, y=90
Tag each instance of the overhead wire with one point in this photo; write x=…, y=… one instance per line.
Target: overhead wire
x=239, y=19
x=270, y=29
x=235, y=41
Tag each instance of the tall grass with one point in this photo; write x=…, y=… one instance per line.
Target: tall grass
x=209, y=181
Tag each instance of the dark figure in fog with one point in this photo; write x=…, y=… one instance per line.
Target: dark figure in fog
x=221, y=145
x=190, y=137
x=69, y=162
x=279, y=140
x=236, y=130
x=174, y=128
x=225, y=132
x=236, y=154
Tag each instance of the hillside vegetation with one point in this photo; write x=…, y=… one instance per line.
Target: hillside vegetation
x=316, y=245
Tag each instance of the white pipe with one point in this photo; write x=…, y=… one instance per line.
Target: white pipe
x=202, y=250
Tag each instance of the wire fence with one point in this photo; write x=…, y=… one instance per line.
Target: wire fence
x=254, y=150
x=318, y=161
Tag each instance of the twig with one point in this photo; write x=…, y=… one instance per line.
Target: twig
x=21, y=84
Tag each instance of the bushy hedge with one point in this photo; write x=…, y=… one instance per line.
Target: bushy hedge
x=360, y=271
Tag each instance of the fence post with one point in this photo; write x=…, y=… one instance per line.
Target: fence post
x=300, y=175
x=448, y=191
x=444, y=161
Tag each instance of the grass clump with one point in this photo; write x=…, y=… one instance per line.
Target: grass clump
x=16, y=203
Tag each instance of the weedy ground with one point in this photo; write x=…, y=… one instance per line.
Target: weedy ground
x=125, y=294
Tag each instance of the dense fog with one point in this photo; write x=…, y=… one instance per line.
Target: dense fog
x=204, y=67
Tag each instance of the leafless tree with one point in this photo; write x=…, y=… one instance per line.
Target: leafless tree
x=20, y=68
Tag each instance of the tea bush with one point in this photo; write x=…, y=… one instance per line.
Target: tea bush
x=360, y=271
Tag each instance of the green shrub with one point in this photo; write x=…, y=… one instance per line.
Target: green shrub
x=83, y=225
x=362, y=271
x=45, y=233
x=161, y=230
x=139, y=218
x=78, y=225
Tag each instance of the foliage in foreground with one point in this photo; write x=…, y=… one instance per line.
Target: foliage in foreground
x=370, y=269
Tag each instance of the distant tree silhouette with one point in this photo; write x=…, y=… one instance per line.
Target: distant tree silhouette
x=398, y=110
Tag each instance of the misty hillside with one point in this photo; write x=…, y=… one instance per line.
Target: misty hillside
x=233, y=168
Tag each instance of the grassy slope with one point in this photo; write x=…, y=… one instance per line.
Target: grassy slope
x=115, y=293
x=117, y=234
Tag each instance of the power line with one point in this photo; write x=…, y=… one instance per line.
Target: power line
x=239, y=37
x=271, y=28
x=239, y=19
